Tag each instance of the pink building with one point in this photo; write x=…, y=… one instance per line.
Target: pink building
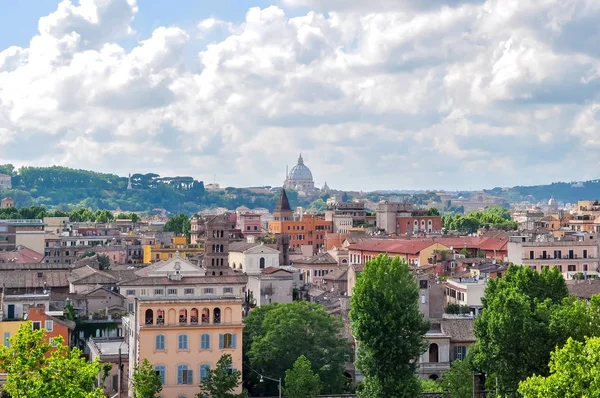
x=116, y=254
x=249, y=224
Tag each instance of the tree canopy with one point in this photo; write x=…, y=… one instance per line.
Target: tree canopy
x=271, y=346
x=221, y=381
x=301, y=381
x=146, y=382
x=389, y=328
x=574, y=373
x=179, y=224
x=526, y=314
x=491, y=216
x=37, y=370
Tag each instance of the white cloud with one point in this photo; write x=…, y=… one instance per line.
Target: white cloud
x=455, y=94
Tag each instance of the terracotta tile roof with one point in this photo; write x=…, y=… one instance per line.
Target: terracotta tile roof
x=241, y=246
x=584, y=289
x=22, y=255
x=272, y=270
x=31, y=279
x=459, y=330
x=319, y=259
x=403, y=246
x=338, y=274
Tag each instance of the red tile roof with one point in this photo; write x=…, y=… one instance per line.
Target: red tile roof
x=22, y=255
x=272, y=270
x=404, y=246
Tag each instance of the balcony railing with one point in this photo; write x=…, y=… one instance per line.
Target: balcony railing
x=149, y=321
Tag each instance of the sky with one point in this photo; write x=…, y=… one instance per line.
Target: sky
x=384, y=94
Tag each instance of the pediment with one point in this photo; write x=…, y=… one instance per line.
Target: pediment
x=261, y=249
x=175, y=265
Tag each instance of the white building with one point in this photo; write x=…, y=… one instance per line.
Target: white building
x=274, y=285
x=252, y=258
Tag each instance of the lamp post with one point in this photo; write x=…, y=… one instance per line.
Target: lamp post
x=277, y=380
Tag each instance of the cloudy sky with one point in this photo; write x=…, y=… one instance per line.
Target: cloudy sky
x=379, y=94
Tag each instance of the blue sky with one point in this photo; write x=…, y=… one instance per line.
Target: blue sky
x=384, y=94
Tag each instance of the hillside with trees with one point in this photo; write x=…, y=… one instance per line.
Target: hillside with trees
x=62, y=188
x=568, y=192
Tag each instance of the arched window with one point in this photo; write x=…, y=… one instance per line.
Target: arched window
x=182, y=316
x=233, y=265
x=194, y=316
x=149, y=317
x=221, y=250
x=162, y=372
x=182, y=342
x=204, y=368
x=429, y=223
x=217, y=315
x=344, y=261
x=227, y=340
x=184, y=375
x=416, y=225
x=423, y=224
x=205, y=341
x=433, y=353
x=205, y=315
x=160, y=317
x=262, y=262
x=160, y=342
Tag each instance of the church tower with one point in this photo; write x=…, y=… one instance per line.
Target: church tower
x=283, y=211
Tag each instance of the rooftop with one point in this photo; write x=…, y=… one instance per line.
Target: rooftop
x=110, y=346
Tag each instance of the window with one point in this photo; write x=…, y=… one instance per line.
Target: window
x=6, y=339
x=262, y=262
x=227, y=290
x=256, y=228
x=130, y=292
x=159, y=292
x=130, y=307
x=37, y=325
x=460, y=352
x=49, y=326
x=52, y=342
x=182, y=342
x=571, y=267
x=159, y=344
x=172, y=292
x=205, y=341
x=227, y=341
x=161, y=370
x=184, y=376
x=433, y=353
x=208, y=290
x=144, y=293
x=204, y=371
x=585, y=267
x=189, y=291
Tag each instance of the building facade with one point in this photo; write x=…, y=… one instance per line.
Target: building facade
x=252, y=258
x=405, y=219
x=184, y=337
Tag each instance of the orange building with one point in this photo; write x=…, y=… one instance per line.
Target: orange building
x=54, y=327
x=305, y=230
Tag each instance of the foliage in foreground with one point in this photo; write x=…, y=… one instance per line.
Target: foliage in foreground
x=37, y=370
x=574, y=373
x=301, y=381
x=221, y=381
x=277, y=334
x=146, y=382
x=389, y=328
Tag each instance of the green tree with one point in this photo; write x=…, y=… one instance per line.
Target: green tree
x=35, y=369
x=301, y=381
x=271, y=339
x=428, y=385
x=389, y=328
x=179, y=225
x=103, y=259
x=103, y=216
x=432, y=211
x=574, y=373
x=146, y=382
x=518, y=305
x=457, y=382
x=221, y=381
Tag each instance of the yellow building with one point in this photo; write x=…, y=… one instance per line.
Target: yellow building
x=159, y=252
x=9, y=329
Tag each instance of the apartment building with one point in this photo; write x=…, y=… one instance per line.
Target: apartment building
x=574, y=255
x=183, y=336
x=406, y=219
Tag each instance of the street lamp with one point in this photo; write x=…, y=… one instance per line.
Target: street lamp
x=277, y=380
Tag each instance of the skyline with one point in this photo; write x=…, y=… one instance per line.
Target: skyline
x=458, y=95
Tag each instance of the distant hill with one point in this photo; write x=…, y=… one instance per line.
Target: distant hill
x=568, y=192
x=65, y=188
